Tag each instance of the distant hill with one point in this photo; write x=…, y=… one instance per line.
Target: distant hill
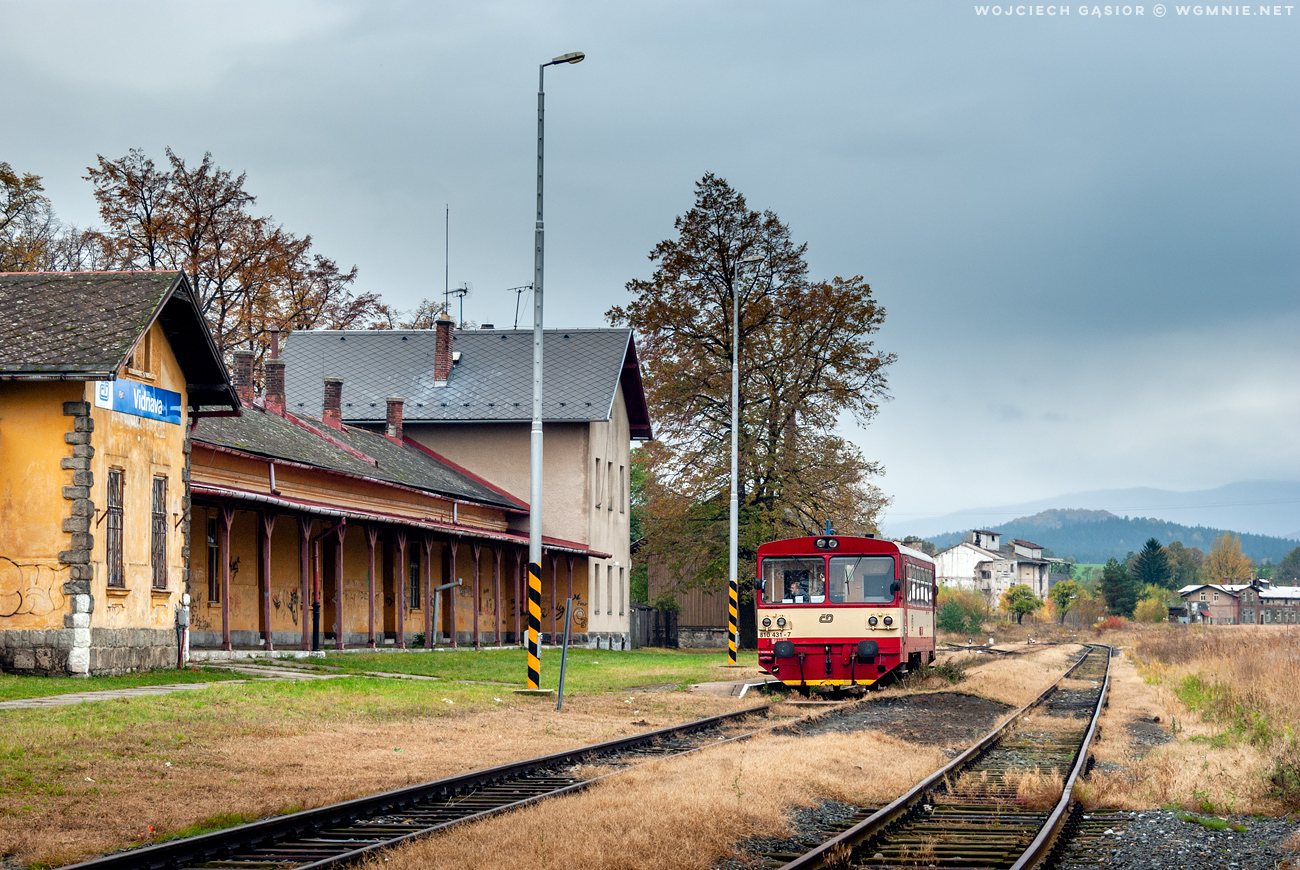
x=1095, y=536
x=1260, y=507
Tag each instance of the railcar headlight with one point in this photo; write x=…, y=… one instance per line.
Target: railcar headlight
x=767, y=620
x=780, y=622
x=889, y=620
x=872, y=622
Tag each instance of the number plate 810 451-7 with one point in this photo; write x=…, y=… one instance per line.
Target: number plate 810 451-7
x=774, y=632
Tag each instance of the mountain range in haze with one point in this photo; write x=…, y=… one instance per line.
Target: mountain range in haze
x=1252, y=507
x=1095, y=536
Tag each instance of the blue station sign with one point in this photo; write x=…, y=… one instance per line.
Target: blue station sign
x=139, y=400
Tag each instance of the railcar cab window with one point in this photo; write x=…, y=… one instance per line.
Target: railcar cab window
x=862, y=579
x=794, y=581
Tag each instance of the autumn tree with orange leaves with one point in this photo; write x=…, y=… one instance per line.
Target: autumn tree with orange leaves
x=248, y=272
x=807, y=360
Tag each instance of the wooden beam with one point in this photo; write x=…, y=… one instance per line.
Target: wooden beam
x=223, y=548
x=496, y=589
x=475, y=547
x=267, y=526
x=426, y=574
x=304, y=569
x=372, y=534
x=400, y=583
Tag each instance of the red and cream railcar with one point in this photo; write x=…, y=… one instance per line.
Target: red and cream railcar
x=842, y=611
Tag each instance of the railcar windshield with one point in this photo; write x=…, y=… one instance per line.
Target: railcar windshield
x=862, y=579
x=794, y=581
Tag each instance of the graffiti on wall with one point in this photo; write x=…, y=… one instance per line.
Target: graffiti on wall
x=30, y=589
x=291, y=605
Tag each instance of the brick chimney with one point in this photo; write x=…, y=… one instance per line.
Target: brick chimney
x=243, y=377
x=332, y=413
x=394, y=427
x=442, y=350
x=274, y=369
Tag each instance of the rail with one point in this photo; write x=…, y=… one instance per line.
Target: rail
x=343, y=832
x=838, y=851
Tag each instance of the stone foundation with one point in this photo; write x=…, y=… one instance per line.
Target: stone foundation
x=106, y=651
x=695, y=637
x=122, y=650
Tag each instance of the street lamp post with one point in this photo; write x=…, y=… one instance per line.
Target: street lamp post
x=733, y=604
x=535, y=488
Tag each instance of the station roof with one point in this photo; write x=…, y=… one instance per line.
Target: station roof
x=85, y=325
x=491, y=381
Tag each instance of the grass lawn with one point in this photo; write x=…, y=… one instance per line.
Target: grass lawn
x=587, y=671
x=13, y=688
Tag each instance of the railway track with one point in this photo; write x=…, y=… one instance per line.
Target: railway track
x=342, y=833
x=974, y=813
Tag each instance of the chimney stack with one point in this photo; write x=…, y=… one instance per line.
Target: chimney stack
x=442, y=350
x=333, y=411
x=394, y=427
x=274, y=369
x=243, y=377
x=275, y=342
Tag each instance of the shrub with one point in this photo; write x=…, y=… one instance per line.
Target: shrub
x=1151, y=610
x=1284, y=778
x=1110, y=623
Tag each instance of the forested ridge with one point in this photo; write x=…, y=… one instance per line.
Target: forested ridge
x=1095, y=536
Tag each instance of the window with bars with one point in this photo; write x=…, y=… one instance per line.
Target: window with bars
x=214, y=562
x=113, y=519
x=158, y=538
x=413, y=598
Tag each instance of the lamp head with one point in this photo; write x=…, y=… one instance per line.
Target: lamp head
x=753, y=258
x=571, y=57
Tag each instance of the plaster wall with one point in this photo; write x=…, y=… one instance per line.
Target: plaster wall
x=143, y=449
x=32, y=507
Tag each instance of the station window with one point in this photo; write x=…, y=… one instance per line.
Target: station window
x=113, y=518
x=413, y=573
x=158, y=536
x=214, y=562
x=596, y=484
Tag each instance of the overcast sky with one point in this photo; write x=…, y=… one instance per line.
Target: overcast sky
x=1083, y=228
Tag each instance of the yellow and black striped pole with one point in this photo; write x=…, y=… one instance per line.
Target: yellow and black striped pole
x=534, y=625
x=733, y=608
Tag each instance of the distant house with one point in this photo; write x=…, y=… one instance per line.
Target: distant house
x=1255, y=603
x=983, y=563
x=467, y=396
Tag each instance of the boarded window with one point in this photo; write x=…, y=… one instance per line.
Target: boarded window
x=620, y=591
x=609, y=590
x=158, y=537
x=595, y=588
x=214, y=562
x=116, y=491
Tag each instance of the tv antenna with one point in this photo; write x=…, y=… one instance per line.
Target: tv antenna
x=519, y=292
x=465, y=289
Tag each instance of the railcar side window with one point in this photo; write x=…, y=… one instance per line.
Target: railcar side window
x=861, y=579
x=794, y=581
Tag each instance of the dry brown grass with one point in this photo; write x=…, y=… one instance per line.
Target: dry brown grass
x=1223, y=755
x=710, y=801
x=102, y=792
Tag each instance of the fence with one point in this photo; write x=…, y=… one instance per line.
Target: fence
x=653, y=627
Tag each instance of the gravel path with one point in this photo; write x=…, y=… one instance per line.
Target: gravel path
x=1160, y=840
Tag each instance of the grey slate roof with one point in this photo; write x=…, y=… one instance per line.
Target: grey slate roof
x=263, y=433
x=75, y=321
x=85, y=324
x=492, y=382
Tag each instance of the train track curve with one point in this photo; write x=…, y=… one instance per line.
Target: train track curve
x=969, y=814
x=341, y=833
